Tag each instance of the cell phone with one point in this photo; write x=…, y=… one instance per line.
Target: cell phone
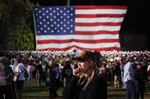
x=75, y=66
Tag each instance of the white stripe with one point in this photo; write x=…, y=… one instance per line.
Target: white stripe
x=93, y=20
x=97, y=28
x=83, y=45
x=78, y=37
x=100, y=11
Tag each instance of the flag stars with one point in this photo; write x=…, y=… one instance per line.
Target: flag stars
x=55, y=20
x=40, y=11
x=44, y=20
x=48, y=28
x=44, y=25
x=48, y=22
x=41, y=23
x=47, y=11
x=43, y=14
x=47, y=17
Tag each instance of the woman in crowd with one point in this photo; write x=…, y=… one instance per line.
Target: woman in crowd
x=86, y=83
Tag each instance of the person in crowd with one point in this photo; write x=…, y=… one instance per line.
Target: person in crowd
x=6, y=77
x=42, y=69
x=13, y=65
x=86, y=83
x=66, y=73
x=117, y=75
x=140, y=81
x=20, y=73
x=129, y=78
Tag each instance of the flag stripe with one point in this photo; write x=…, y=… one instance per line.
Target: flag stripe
x=83, y=45
x=79, y=41
x=101, y=11
x=67, y=48
x=96, y=32
x=78, y=37
x=102, y=7
x=99, y=24
x=99, y=15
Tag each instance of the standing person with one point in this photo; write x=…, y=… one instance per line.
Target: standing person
x=129, y=78
x=13, y=66
x=6, y=77
x=86, y=83
x=20, y=73
x=140, y=81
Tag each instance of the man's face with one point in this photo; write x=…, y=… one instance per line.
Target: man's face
x=84, y=66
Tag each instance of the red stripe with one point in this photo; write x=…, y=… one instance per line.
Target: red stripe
x=95, y=49
x=79, y=41
x=100, y=49
x=96, y=32
x=101, y=7
x=99, y=23
x=98, y=15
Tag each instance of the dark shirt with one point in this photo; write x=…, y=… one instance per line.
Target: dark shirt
x=96, y=89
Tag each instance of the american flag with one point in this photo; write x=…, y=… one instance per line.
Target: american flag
x=82, y=27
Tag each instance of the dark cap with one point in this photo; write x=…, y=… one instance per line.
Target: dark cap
x=85, y=55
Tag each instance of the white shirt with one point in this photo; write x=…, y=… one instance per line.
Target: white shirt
x=126, y=75
x=21, y=70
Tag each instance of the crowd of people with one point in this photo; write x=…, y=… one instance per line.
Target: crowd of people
x=80, y=76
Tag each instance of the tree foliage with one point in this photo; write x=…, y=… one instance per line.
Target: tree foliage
x=16, y=25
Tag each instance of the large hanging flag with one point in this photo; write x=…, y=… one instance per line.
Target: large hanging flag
x=83, y=27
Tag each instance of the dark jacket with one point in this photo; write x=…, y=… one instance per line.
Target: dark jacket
x=96, y=89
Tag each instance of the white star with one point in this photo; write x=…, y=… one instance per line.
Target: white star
x=44, y=20
x=54, y=11
x=50, y=8
x=47, y=22
x=58, y=25
x=68, y=11
x=43, y=8
x=61, y=11
x=64, y=30
x=47, y=17
x=39, y=11
x=52, y=31
x=58, y=14
x=43, y=14
x=61, y=28
x=44, y=25
x=47, y=11
x=52, y=25
x=54, y=17
x=41, y=23
x=40, y=17
x=64, y=19
x=48, y=28
x=54, y=22
x=41, y=28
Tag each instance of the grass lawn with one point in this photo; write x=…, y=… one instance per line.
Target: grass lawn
x=33, y=91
